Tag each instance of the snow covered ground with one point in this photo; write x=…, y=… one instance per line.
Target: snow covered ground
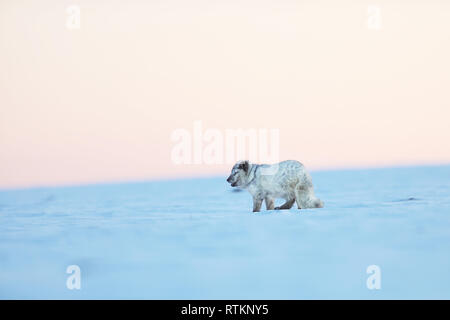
x=197, y=239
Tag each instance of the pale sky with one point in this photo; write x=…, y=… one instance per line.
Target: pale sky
x=100, y=103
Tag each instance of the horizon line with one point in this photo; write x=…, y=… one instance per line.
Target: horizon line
x=206, y=176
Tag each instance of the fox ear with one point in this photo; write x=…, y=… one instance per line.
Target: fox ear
x=244, y=166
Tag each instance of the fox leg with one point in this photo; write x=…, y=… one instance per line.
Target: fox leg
x=257, y=202
x=269, y=203
x=287, y=205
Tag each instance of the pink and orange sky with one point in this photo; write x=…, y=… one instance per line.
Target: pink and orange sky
x=100, y=103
